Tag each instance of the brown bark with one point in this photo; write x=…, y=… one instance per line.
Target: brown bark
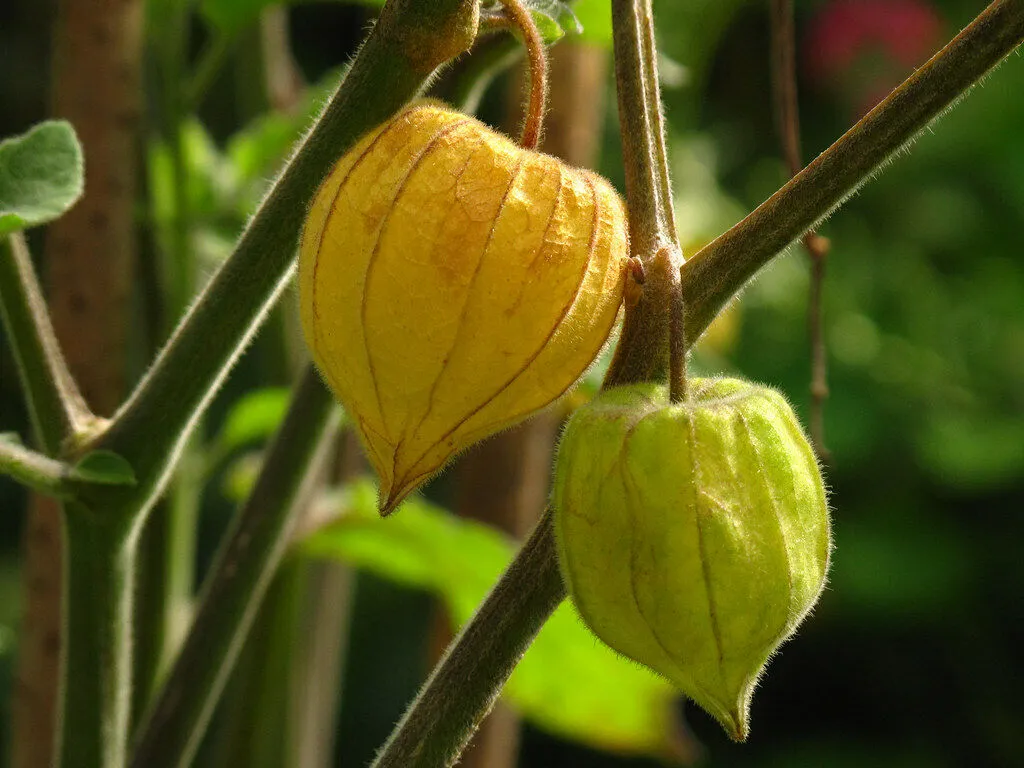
x=89, y=254
x=505, y=480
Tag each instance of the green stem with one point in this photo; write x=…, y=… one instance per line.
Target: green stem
x=167, y=543
x=33, y=469
x=409, y=41
x=643, y=353
x=720, y=270
x=164, y=580
x=55, y=405
x=237, y=584
x=466, y=682
x=259, y=733
x=97, y=677
x=476, y=666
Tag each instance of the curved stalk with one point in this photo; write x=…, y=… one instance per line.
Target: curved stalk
x=56, y=407
x=537, y=95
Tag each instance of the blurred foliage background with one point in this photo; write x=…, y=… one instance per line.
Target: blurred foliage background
x=913, y=657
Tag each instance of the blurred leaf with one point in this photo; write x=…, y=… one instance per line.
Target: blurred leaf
x=568, y=683
x=231, y=16
x=253, y=418
x=594, y=17
x=550, y=30
x=41, y=175
x=240, y=476
x=973, y=451
x=211, y=185
x=553, y=19
x=104, y=467
x=256, y=152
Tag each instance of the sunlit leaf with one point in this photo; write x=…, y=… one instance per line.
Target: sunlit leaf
x=41, y=175
x=105, y=468
x=568, y=683
x=253, y=417
x=594, y=18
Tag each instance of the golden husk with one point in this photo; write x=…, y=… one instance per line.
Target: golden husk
x=452, y=283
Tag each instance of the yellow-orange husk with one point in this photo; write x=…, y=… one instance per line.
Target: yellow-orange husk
x=452, y=283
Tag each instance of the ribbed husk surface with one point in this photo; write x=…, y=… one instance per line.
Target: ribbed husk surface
x=693, y=537
x=453, y=283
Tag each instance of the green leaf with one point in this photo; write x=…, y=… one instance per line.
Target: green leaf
x=568, y=683
x=559, y=13
x=240, y=476
x=594, y=18
x=105, y=468
x=258, y=150
x=253, y=417
x=41, y=175
x=550, y=30
x=231, y=16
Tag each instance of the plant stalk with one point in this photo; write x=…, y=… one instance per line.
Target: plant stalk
x=97, y=661
x=466, y=682
x=55, y=405
x=34, y=470
x=239, y=579
x=643, y=353
x=163, y=583
x=537, y=95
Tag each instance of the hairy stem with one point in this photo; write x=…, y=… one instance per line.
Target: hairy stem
x=39, y=472
x=466, y=682
x=97, y=677
x=163, y=582
x=533, y=124
x=55, y=406
x=238, y=581
x=643, y=351
x=715, y=274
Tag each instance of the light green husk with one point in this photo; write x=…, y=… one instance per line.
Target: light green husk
x=693, y=537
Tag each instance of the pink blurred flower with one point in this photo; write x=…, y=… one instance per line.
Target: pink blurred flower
x=900, y=33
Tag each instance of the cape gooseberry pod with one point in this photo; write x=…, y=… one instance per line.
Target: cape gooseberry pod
x=452, y=283
x=693, y=537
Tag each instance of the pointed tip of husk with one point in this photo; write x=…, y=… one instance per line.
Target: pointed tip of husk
x=392, y=495
x=734, y=717
x=737, y=727
x=388, y=502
